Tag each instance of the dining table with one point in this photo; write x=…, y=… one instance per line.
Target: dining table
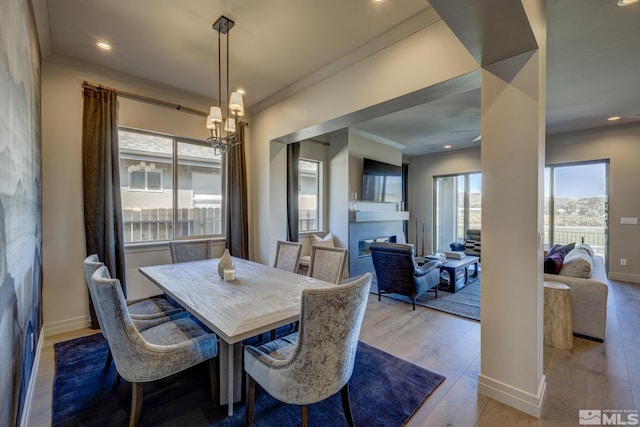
x=259, y=299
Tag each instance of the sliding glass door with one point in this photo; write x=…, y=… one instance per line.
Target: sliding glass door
x=576, y=202
x=457, y=208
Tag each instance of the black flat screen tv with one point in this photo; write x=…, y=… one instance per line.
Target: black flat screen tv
x=381, y=182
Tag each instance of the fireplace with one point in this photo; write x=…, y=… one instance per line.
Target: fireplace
x=362, y=234
x=364, y=244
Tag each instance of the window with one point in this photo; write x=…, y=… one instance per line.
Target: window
x=309, y=195
x=145, y=178
x=171, y=187
x=576, y=204
x=457, y=208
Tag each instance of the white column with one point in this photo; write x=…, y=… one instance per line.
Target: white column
x=513, y=142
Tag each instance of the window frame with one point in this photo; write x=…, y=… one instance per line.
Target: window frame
x=146, y=181
x=319, y=197
x=174, y=162
x=466, y=208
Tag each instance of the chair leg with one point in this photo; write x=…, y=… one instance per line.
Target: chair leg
x=378, y=294
x=213, y=377
x=107, y=362
x=136, y=405
x=303, y=415
x=124, y=391
x=346, y=404
x=413, y=299
x=273, y=334
x=251, y=397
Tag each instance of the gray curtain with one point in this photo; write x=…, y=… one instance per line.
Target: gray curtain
x=101, y=183
x=237, y=217
x=293, y=172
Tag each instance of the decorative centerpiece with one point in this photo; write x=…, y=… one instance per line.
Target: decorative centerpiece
x=226, y=268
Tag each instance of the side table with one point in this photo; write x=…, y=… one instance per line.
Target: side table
x=558, y=326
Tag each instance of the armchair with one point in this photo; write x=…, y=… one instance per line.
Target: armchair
x=397, y=273
x=315, y=363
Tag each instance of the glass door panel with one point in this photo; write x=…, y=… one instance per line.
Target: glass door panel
x=578, y=204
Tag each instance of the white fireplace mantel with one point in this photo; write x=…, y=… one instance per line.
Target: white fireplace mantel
x=369, y=216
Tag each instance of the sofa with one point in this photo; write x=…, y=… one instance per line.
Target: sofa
x=585, y=274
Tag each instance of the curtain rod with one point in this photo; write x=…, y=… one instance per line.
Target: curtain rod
x=147, y=99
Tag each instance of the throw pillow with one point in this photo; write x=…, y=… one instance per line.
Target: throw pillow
x=586, y=247
x=577, y=264
x=565, y=248
x=553, y=262
x=457, y=247
x=322, y=241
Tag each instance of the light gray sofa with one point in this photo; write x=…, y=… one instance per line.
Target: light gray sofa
x=588, y=296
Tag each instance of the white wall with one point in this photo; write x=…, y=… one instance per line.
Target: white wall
x=64, y=290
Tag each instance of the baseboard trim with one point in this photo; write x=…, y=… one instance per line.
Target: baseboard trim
x=524, y=401
x=25, y=419
x=622, y=277
x=66, y=325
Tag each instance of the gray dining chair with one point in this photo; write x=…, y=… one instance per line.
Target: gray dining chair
x=317, y=361
x=185, y=251
x=154, y=353
x=145, y=312
x=287, y=255
x=149, y=308
x=327, y=263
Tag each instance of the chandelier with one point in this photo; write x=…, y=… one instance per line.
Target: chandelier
x=223, y=129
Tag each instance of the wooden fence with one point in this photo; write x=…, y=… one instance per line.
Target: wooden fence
x=153, y=224
x=307, y=220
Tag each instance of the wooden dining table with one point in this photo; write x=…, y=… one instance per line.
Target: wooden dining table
x=261, y=298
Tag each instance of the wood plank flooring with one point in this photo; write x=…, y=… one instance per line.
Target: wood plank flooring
x=591, y=376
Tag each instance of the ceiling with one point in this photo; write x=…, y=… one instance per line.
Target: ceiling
x=279, y=45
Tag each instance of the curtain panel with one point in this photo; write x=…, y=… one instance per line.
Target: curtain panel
x=101, y=183
x=237, y=211
x=293, y=173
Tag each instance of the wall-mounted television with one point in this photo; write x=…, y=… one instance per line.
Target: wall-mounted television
x=381, y=182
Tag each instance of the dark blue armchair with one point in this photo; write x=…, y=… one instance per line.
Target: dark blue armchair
x=397, y=273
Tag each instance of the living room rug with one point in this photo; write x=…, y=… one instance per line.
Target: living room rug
x=464, y=303
x=385, y=391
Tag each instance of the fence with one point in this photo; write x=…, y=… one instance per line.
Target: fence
x=307, y=220
x=153, y=224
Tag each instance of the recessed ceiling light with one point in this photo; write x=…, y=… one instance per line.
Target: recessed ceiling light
x=477, y=138
x=240, y=91
x=626, y=2
x=104, y=45
x=447, y=146
x=613, y=118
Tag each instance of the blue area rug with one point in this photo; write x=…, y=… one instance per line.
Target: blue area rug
x=385, y=391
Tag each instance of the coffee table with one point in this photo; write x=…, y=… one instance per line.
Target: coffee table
x=453, y=267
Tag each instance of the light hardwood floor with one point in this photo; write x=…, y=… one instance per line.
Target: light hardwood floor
x=591, y=376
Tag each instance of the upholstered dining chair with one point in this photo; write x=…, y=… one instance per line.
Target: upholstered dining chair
x=328, y=263
x=317, y=361
x=287, y=255
x=185, y=251
x=154, y=353
x=145, y=312
x=153, y=307
x=397, y=273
